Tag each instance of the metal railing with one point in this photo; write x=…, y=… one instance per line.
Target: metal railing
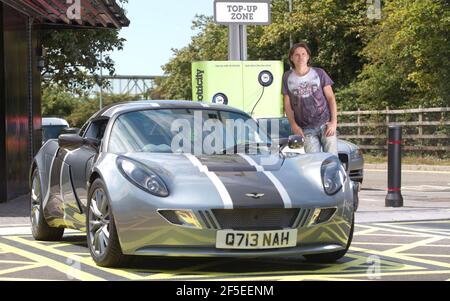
x=133, y=85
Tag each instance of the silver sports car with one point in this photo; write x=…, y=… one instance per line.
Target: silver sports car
x=176, y=178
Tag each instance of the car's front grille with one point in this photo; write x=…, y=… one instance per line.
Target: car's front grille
x=356, y=175
x=255, y=219
x=344, y=160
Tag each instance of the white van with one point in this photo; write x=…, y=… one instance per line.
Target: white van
x=52, y=128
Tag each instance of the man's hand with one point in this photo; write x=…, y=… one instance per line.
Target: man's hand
x=331, y=129
x=298, y=131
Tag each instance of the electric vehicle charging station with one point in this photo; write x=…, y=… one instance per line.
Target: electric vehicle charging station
x=252, y=86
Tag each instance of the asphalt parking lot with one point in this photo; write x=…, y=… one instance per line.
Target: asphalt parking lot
x=384, y=247
x=380, y=251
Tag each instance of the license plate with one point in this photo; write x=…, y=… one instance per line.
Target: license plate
x=248, y=240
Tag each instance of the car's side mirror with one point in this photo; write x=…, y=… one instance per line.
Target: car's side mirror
x=95, y=143
x=70, y=141
x=295, y=142
x=282, y=142
x=70, y=131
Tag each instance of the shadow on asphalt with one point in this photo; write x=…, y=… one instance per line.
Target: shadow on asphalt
x=200, y=265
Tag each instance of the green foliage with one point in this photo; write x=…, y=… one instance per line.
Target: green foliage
x=334, y=39
x=408, y=58
x=209, y=44
x=399, y=61
x=89, y=106
x=73, y=55
x=58, y=101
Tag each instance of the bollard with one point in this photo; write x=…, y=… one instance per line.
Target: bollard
x=394, y=197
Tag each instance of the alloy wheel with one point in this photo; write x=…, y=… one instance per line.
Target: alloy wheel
x=99, y=221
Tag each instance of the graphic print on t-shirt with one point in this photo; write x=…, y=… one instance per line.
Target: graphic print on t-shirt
x=308, y=93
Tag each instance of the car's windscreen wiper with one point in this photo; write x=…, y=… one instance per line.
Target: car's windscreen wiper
x=245, y=146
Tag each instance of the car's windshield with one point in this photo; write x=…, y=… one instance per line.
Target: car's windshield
x=52, y=131
x=276, y=128
x=186, y=131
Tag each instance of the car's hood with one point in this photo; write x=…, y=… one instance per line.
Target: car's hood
x=239, y=181
x=345, y=146
x=185, y=164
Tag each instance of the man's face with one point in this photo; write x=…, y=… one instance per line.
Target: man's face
x=300, y=57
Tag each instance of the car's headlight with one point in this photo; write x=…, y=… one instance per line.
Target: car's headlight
x=356, y=154
x=333, y=176
x=142, y=177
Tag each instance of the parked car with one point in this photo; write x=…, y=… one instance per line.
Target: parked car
x=52, y=127
x=350, y=154
x=122, y=181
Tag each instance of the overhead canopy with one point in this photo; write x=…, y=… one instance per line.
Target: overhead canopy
x=93, y=13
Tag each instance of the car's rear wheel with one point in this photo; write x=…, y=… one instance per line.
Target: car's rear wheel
x=39, y=226
x=333, y=256
x=102, y=238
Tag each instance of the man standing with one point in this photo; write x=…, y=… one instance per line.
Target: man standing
x=309, y=102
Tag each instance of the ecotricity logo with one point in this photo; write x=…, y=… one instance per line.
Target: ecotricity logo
x=199, y=79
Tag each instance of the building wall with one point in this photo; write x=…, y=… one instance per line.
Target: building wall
x=3, y=192
x=21, y=86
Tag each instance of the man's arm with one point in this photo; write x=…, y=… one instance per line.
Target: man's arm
x=290, y=115
x=331, y=98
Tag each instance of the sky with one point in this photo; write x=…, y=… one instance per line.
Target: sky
x=156, y=27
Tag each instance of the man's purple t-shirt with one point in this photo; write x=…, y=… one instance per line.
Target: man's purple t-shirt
x=308, y=100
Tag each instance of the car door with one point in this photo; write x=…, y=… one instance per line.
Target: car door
x=78, y=164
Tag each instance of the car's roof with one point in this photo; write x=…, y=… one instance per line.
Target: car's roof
x=48, y=121
x=123, y=107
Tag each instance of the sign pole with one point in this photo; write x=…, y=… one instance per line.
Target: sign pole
x=237, y=14
x=243, y=42
x=234, y=48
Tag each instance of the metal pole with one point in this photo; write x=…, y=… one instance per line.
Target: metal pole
x=291, y=41
x=237, y=42
x=233, y=43
x=243, y=42
x=101, y=82
x=394, y=197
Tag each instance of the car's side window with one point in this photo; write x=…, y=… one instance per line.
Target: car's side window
x=83, y=129
x=97, y=129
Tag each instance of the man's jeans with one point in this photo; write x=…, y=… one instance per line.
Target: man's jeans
x=316, y=138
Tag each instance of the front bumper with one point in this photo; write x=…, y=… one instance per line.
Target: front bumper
x=356, y=169
x=164, y=239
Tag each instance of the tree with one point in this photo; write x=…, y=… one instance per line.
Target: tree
x=331, y=27
x=86, y=107
x=73, y=55
x=209, y=44
x=57, y=102
x=408, y=58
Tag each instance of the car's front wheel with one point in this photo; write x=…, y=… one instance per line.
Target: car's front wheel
x=102, y=238
x=39, y=227
x=333, y=256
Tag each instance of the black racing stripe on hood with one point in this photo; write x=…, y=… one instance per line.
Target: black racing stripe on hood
x=229, y=163
x=238, y=184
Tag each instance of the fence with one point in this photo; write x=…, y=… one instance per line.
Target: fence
x=424, y=129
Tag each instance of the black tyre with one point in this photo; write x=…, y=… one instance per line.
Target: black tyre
x=102, y=236
x=39, y=227
x=332, y=256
